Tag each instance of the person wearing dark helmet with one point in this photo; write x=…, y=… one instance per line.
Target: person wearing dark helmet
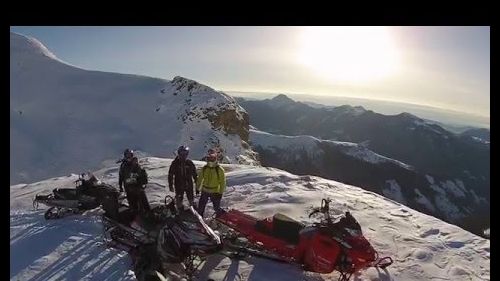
x=181, y=176
x=212, y=183
x=125, y=165
x=134, y=178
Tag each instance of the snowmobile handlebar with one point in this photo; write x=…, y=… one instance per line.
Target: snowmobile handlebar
x=80, y=178
x=325, y=204
x=165, y=200
x=315, y=210
x=384, y=262
x=324, y=209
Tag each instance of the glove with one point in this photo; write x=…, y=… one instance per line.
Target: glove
x=171, y=188
x=197, y=192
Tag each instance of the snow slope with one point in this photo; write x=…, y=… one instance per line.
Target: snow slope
x=64, y=118
x=443, y=197
x=423, y=247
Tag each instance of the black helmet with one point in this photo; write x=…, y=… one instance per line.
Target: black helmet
x=182, y=149
x=128, y=153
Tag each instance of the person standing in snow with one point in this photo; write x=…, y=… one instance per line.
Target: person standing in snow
x=181, y=174
x=126, y=162
x=212, y=184
x=133, y=178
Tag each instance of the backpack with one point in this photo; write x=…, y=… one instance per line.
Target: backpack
x=142, y=179
x=217, y=168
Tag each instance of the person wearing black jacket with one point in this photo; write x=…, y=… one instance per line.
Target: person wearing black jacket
x=134, y=178
x=180, y=176
x=125, y=163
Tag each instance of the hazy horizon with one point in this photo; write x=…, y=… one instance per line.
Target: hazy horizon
x=446, y=116
x=441, y=67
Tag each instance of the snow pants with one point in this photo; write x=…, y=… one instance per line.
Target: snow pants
x=214, y=197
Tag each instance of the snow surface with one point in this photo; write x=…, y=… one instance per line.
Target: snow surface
x=480, y=140
x=64, y=118
x=393, y=191
x=422, y=199
x=442, y=197
x=430, y=179
x=453, y=188
x=423, y=247
x=310, y=145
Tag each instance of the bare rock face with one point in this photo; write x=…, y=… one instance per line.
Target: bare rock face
x=224, y=115
x=232, y=122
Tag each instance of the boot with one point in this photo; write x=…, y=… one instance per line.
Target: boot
x=178, y=204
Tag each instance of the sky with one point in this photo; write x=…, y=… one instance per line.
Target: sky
x=444, y=67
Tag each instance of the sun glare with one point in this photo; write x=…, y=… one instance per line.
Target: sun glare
x=348, y=54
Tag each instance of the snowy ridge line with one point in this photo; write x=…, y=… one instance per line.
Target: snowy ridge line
x=309, y=143
x=106, y=112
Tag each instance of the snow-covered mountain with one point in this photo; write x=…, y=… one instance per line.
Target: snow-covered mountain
x=65, y=119
x=312, y=147
x=478, y=134
x=423, y=247
x=351, y=163
x=404, y=137
x=449, y=175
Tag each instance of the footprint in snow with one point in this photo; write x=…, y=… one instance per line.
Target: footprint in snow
x=403, y=214
x=459, y=271
x=432, y=231
x=455, y=244
x=422, y=255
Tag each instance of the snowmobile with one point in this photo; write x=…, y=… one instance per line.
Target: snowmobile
x=320, y=247
x=89, y=193
x=164, y=235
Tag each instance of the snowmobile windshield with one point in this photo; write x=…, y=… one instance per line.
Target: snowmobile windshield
x=91, y=179
x=346, y=226
x=353, y=232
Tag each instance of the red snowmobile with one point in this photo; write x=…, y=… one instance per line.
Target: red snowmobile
x=321, y=247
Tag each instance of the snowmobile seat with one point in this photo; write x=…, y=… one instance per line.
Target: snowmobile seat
x=43, y=197
x=65, y=193
x=286, y=228
x=110, y=206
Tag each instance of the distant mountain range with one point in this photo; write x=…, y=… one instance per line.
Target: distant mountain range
x=451, y=120
x=430, y=169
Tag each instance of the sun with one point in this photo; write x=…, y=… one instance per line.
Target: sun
x=348, y=54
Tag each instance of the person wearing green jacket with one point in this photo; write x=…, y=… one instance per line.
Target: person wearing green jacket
x=212, y=183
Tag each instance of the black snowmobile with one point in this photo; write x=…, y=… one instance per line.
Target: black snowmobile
x=162, y=236
x=89, y=193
